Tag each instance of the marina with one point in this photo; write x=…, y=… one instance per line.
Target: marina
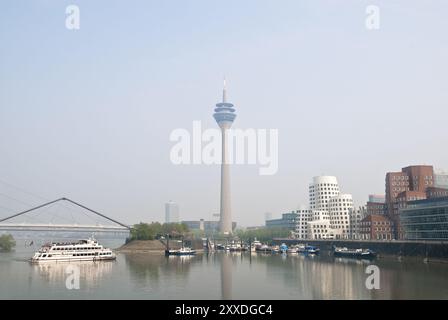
x=218, y=275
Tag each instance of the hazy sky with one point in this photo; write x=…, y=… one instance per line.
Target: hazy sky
x=87, y=114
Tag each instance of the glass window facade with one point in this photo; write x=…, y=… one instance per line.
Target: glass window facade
x=425, y=219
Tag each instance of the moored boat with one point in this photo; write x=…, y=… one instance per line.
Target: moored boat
x=275, y=249
x=220, y=247
x=354, y=253
x=264, y=249
x=184, y=251
x=283, y=248
x=255, y=245
x=311, y=250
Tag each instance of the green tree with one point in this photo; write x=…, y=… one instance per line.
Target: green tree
x=142, y=231
x=150, y=231
x=263, y=234
x=7, y=242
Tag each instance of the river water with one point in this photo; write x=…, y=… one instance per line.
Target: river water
x=219, y=276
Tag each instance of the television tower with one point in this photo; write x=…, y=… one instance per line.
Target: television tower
x=224, y=116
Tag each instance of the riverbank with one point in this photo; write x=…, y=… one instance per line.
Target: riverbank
x=142, y=246
x=429, y=250
x=154, y=246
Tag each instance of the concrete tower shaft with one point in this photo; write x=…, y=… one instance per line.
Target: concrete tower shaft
x=224, y=116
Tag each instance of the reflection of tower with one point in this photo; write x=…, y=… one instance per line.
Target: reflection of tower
x=224, y=116
x=226, y=277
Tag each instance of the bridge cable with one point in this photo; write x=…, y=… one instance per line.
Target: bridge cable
x=68, y=200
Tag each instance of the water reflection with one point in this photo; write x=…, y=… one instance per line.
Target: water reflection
x=91, y=273
x=226, y=276
x=149, y=269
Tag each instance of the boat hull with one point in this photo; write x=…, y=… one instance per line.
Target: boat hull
x=74, y=259
x=179, y=253
x=357, y=255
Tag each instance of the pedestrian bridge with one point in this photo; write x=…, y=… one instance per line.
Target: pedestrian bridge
x=117, y=227
x=59, y=227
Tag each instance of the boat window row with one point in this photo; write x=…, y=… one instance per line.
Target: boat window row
x=74, y=248
x=89, y=254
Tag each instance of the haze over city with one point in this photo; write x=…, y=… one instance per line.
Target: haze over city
x=87, y=114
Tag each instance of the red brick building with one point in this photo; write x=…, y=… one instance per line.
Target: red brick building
x=377, y=227
x=376, y=204
x=376, y=208
x=409, y=184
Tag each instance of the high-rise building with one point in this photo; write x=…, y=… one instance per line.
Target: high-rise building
x=339, y=212
x=409, y=184
x=321, y=190
x=224, y=116
x=396, y=182
x=171, y=212
x=440, y=179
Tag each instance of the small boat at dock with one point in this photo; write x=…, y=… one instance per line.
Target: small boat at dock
x=263, y=249
x=353, y=253
x=311, y=250
x=283, y=248
x=255, y=245
x=292, y=250
x=184, y=251
x=220, y=247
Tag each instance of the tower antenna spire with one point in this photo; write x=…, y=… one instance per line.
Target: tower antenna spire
x=224, y=91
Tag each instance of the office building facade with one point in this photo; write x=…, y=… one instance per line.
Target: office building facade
x=425, y=219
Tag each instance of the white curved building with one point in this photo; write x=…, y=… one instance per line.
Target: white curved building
x=304, y=216
x=319, y=226
x=339, y=208
x=321, y=190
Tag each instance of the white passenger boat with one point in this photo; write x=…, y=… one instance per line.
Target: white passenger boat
x=82, y=250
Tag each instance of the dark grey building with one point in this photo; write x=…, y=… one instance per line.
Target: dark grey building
x=425, y=219
x=287, y=221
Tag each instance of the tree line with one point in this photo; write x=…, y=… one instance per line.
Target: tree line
x=155, y=230
x=262, y=234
